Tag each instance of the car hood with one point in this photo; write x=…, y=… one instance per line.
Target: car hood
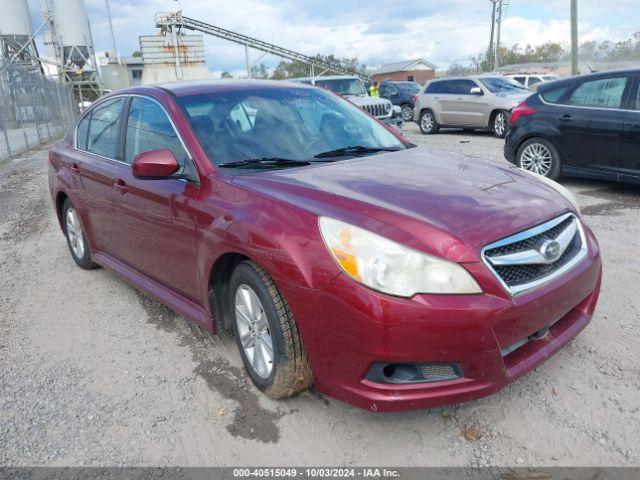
x=468, y=199
x=362, y=100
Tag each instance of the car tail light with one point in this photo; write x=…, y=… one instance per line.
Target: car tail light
x=520, y=110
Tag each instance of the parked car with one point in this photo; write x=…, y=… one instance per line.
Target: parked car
x=532, y=81
x=401, y=94
x=391, y=276
x=354, y=90
x=586, y=126
x=473, y=102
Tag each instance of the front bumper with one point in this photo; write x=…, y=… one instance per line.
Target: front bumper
x=347, y=328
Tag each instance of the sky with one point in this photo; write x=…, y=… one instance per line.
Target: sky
x=375, y=31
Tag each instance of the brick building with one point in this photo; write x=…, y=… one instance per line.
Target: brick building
x=417, y=70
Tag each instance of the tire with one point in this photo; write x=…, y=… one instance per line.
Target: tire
x=76, y=239
x=289, y=373
x=407, y=112
x=539, y=156
x=500, y=123
x=428, y=124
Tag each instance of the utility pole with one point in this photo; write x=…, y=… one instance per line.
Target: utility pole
x=113, y=37
x=493, y=29
x=574, y=37
x=496, y=58
x=248, y=60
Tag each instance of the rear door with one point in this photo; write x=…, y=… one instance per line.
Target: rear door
x=156, y=217
x=95, y=162
x=591, y=123
x=630, y=142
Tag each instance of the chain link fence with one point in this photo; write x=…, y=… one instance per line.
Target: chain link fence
x=33, y=109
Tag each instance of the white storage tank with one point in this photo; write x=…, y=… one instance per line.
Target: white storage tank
x=72, y=30
x=15, y=21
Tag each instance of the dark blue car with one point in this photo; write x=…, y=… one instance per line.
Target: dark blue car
x=586, y=126
x=401, y=94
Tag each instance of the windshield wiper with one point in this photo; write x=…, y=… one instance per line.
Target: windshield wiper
x=265, y=162
x=354, y=150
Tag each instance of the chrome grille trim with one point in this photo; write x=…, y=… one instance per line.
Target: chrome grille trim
x=515, y=290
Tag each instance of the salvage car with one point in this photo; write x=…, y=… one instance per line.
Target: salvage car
x=341, y=255
x=354, y=90
x=586, y=126
x=474, y=102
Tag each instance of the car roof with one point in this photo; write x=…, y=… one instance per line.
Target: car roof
x=212, y=86
x=325, y=77
x=579, y=78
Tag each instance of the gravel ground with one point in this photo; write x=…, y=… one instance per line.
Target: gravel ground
x=94, y=373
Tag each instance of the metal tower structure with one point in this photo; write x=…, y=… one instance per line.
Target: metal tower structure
x=17, y=45
x=175, y=21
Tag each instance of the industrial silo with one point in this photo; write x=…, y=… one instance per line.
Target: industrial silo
x=72, y=32
x=15, y=27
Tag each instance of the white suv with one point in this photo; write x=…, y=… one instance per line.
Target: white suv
x=481, y=102
x=530, y=81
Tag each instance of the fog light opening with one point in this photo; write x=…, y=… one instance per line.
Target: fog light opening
x=413, y=372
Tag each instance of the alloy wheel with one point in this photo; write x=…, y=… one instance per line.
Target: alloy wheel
x=253, y=329
x=407, y=113
x=74, y=233
x=536, y=158
x=500, y=124
x=427, y=122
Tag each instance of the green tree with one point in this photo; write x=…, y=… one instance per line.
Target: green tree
x=226, y=75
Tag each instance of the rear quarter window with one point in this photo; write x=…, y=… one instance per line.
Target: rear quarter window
x=553, y=95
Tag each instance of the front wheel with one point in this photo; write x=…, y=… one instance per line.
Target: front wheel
x=267, y=334
x=428, y=123
x=407, y=112
x=500, y=124
x=539, y=156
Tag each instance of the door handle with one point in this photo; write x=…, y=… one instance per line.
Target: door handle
x=75, y=169
x=565, y=118
x=120, y=187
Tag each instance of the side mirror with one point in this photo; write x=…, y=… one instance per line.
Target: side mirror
x=154, y=165
x=476, y=91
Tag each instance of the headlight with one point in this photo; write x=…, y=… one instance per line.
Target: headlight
x=386, y=266
x=558, y=188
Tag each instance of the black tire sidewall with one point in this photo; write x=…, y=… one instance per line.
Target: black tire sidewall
x=84, y=262
x=434, y=129
x=556, y=166
x=506, y=124
x=246, y=274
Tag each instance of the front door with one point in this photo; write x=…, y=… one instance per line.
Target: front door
x=157, y=217
x=592, y=125
x=630, y=143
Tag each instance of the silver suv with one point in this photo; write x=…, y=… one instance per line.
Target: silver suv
x=353, y=89
x=473, y=102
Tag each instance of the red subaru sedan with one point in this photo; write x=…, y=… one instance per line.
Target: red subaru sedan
x=389, y=276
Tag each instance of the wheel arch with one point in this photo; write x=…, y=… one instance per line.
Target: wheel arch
x=218, y=287
x=60, y=198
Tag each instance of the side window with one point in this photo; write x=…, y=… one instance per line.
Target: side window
x=434, y=87
x=149, y=128
x=553, y=95
x=103, y=128
x=602, y=93
x=534, y=80
x=81, y=133
x=463, y=87
x=521, y=80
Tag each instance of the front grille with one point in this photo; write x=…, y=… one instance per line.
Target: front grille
x=378, y=110
x=519, y=261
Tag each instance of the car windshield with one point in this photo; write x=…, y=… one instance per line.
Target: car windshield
x=342, y=86
x=281, y=123
x=502, y=85
x=408, y=87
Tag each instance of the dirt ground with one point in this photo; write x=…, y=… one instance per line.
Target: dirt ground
x=94, y=373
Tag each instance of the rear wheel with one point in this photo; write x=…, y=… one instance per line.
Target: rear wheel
x=500, y=123
x=539, y=156
x=267, y=334
x=76, y=239
x=428, y=123
x=407, y=112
